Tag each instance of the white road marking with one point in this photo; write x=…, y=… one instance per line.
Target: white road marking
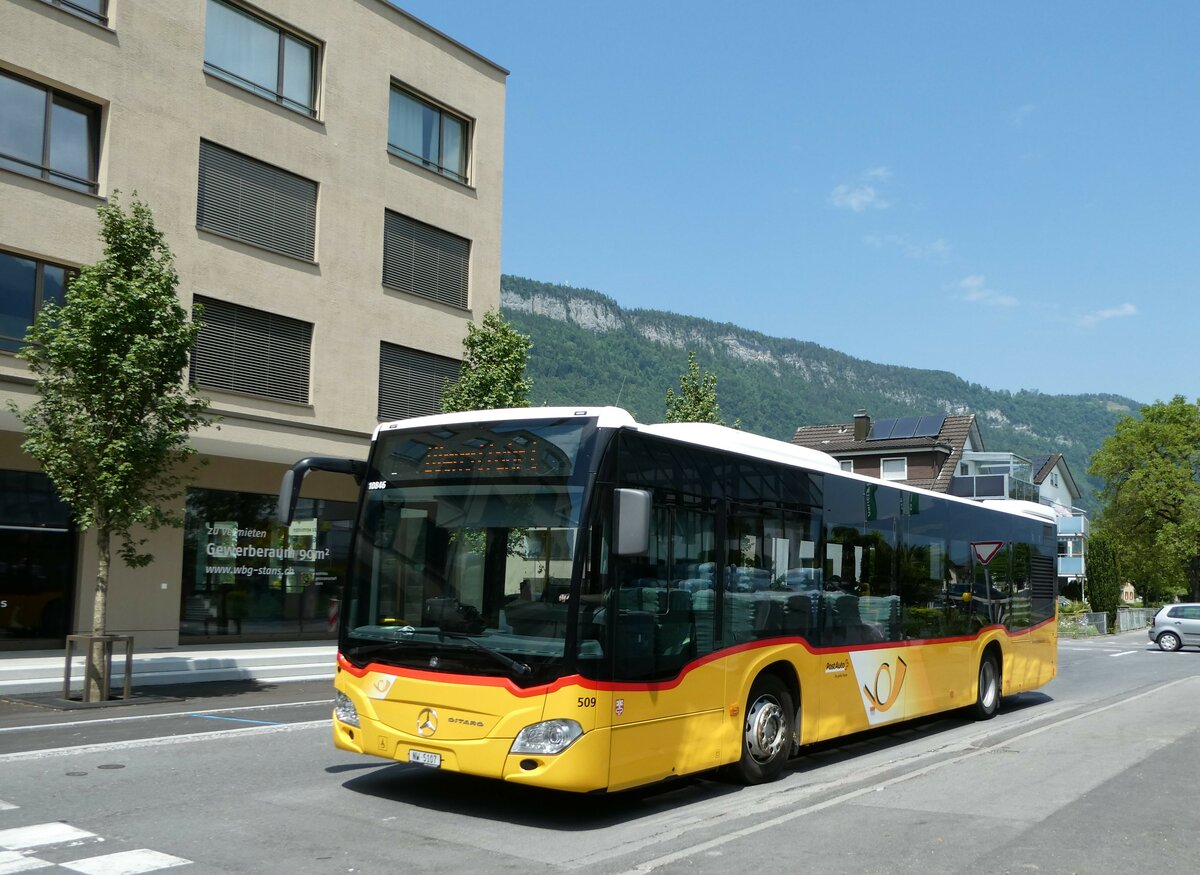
x=126, y=863
x=6, y=806
x=12, y=862
x=160, y=741
x=42, y=834
x=193, y=713
x=1125, y=652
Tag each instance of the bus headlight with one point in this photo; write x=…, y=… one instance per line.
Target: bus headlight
x=548, y=737
x=343, y=708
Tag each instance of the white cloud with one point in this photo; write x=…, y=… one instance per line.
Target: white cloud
x=1091, y=320
x=935, y=250
x=975, y=290
x=862, y=195
x=857, y=198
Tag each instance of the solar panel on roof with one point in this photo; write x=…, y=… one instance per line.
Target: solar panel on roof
x=906, y=427
x=881, y=429
x=930, y=426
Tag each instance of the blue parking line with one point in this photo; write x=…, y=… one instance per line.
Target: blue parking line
x=236, y=719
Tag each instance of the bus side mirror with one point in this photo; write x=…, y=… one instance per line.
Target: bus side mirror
x=631, y=509
x=289, y=488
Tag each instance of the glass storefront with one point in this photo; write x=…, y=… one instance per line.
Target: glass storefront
x=247, y=578
x=37, y=549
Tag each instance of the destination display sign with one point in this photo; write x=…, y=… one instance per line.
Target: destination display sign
x=476, y=452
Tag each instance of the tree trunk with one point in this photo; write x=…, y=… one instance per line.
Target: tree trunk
x=94, y=688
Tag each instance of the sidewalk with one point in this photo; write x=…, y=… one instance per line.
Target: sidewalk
x=41, y=671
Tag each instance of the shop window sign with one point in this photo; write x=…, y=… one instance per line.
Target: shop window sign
x=245, y=575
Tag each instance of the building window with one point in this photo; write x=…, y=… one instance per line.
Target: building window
x=256, y=203
x=423, y=260
x=25, y=285
x=245, y=574
x=95, y=11
x=254, y=54
x=47, y=134
x=240, y=349
x=893, y=469
x=848, y=465
x=411, y=383
x=428, y=135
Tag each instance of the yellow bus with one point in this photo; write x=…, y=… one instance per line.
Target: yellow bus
x=566, y=598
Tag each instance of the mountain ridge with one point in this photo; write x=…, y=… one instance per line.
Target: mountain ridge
x=587, y=349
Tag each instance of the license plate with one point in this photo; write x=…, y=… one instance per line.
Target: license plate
x=423, y=758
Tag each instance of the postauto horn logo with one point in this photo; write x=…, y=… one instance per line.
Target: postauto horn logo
x=882, y=677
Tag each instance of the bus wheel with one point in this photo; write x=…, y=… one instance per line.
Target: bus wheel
x=766, y=732
x=987, y=702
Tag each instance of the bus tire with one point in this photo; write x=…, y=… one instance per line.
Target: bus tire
x=766, y=737
x=987, y=700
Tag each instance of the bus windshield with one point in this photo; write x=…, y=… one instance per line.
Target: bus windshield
x=465, y=548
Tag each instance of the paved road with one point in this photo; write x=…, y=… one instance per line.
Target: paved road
x=1069, y=779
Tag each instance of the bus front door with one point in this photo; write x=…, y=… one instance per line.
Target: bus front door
x=667, y=703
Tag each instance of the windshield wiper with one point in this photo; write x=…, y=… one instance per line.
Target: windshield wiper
x=519, y=668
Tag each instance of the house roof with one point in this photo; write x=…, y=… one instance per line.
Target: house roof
x=838, y=440
x=1043, y=465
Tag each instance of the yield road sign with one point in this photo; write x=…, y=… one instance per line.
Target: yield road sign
x=986, y=550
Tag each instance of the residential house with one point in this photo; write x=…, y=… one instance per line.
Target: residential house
x=947, y=454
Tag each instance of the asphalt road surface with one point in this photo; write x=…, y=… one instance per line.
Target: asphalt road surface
x=1097, y=772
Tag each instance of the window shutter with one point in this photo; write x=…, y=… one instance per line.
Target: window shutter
x=256, y=203
x=426, y=261
x=411, y=383
x=252, y=351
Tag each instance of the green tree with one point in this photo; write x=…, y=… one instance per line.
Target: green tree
x=492, y=375
x=697, y=398
x=1150, y=468
x=1103, y=575
x=111, y=423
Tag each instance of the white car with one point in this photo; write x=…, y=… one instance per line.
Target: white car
x=1176, y=626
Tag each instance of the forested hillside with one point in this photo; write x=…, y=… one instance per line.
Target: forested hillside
x=588, y=350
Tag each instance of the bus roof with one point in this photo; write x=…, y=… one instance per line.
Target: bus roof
x=607, y=417
x=705, y=434
x=720, y=437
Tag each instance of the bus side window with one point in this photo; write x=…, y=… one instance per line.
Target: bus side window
x=665, y=601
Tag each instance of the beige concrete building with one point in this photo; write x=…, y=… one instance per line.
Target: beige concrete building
x=328, y=174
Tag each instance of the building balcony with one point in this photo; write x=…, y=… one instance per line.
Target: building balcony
x=1070, y=566
x=1075, y=524
x=981, y=486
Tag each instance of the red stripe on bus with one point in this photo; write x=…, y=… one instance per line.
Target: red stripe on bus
x=654, y=686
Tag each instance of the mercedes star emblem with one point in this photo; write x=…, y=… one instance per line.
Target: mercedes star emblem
x=426, y=722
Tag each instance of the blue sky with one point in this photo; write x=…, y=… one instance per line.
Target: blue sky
x=1007, y=191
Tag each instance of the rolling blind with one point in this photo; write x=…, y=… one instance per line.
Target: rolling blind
x=411, y=383
x=256, y=203
x=247, y=350
x=426, y=261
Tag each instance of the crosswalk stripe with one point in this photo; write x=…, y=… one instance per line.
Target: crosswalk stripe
x=42, y=834
x=12, y=862
x=126, y=863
